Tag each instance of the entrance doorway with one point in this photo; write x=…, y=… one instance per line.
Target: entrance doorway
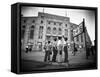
x=40, y=46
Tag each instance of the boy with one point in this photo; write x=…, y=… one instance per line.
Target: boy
x=59, y=48
x=55, y=51
x=47, y=52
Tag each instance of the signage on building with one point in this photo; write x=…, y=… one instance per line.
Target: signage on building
x=78, y=30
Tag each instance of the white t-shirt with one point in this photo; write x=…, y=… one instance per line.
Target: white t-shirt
x=63, y=41
x=26, y=46
x=59, y=42
x=59, y=45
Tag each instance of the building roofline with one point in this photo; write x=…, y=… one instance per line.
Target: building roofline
x=52, y=15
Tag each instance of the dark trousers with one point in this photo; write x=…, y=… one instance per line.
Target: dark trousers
x=54, y=54
x=74, y=51
x=47, y=56
x=26, y=50
x=66, y=54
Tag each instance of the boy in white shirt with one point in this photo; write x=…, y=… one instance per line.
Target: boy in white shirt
x=59, y=48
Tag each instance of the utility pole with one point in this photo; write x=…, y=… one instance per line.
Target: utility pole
x=65, y=13
x=43, y=10
x=85, y=43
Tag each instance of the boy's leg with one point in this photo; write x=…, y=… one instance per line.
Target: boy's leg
x=48, y=55
x=26, y=50
x=66, y=56
x=45, y=58
x=54, y=56
x=60, y=55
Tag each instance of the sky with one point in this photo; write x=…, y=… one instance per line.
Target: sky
x=76, y=16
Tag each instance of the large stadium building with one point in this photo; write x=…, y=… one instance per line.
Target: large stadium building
x=37, y=30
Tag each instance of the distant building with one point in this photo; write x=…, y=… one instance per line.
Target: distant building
x=37, y=30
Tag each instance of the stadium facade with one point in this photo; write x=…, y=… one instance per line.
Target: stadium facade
x=39, y=29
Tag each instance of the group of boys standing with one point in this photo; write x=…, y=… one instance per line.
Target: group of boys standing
x=56, y=49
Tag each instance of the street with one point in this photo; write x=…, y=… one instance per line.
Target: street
x=35, y=61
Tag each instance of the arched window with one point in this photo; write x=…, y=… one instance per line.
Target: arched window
x=32, y=27
x=48, y=38
x=49, y=22
x=41, y=21
x=66, y=32
x=66, y=25
x=54, y=30
x=48, y=30
x=24, y=21
x=40, y=32
x=23, y=27
x=60, y=24
x=33, y=21
x=42, y=16
x=77, y=38
x=59, y=31
x=54, y=23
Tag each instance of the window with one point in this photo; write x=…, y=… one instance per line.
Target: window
x=60, y=31
x=48, y=30
x=71, y=26
x=77, y=38
x=60, y=24
x=54, y=23
x=54, y=30
x=40, y=32
x=66, y=25
x=49, y=22
x=48, y=38
x=24, y=21
x=42, y=16
x=66, y=32
x=41, y=21
x=32, y=27
x=33, y=21
x=23, y=27
x=32, y=32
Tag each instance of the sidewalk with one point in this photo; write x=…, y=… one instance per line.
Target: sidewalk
x=79, y=58
x=35, y=61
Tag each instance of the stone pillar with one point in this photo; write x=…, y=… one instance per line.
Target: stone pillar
x=44, y=32
x=27, y=34
x=83, y=40
x=69, y=36
x=69, y=33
